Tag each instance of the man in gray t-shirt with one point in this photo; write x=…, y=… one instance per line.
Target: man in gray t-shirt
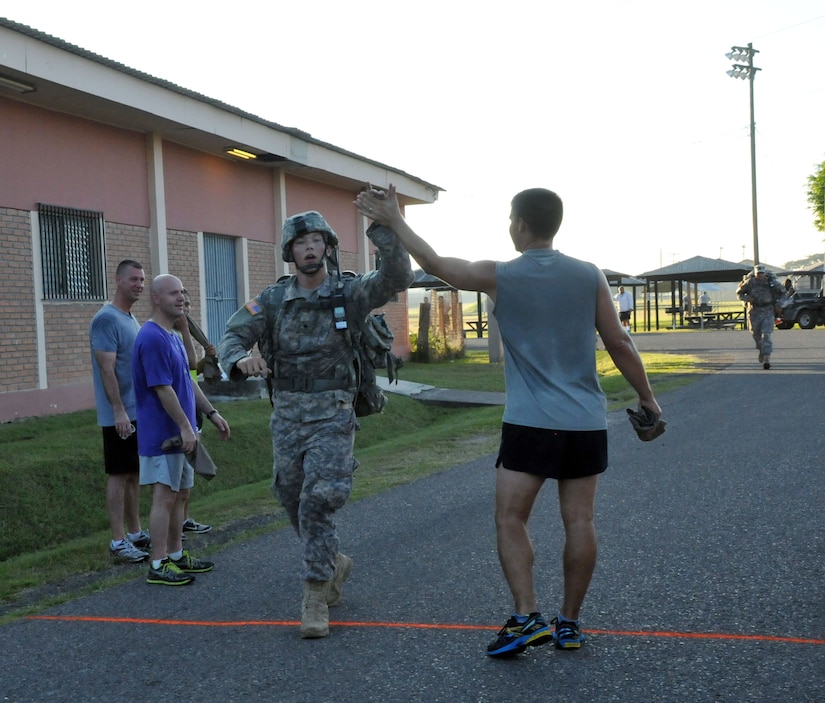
x=111, y=339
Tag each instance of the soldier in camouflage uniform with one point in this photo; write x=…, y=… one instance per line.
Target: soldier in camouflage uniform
x=761, y=294
x=314, y=382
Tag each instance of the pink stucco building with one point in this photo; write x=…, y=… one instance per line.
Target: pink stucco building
x=101, y=163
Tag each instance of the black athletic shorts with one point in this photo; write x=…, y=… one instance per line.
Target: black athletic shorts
x=558, y=454
x=624, y=315
x=120, y=456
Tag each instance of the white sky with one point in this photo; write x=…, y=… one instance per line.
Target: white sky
x=621, y=106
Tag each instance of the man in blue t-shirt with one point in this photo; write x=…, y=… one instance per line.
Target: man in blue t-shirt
x=548, y=307
x=167, y=402
x=111, y=338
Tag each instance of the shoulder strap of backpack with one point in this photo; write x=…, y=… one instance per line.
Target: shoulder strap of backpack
x=370, y=339
x=352, y=333
x=272, y=299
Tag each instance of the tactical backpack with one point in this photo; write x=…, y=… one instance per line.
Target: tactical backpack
x=777, y=290
x=371, y=341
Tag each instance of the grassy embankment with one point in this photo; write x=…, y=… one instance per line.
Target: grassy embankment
x=53, y=527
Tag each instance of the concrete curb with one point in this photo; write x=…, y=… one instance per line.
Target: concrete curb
x=442, y=396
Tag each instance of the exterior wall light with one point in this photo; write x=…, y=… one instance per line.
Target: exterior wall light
x=240, y=153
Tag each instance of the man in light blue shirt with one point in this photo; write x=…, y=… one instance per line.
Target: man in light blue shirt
x=112, y=338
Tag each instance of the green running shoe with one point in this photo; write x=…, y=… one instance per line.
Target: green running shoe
x=167, y=574
x=188, y=564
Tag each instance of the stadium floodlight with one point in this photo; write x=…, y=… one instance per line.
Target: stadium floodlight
x=743, y=68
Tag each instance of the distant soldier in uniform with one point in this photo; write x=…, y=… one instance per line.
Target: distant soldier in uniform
x=305, y=348
x=761, y=292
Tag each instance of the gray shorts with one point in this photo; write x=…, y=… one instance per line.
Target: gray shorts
x=169, y=469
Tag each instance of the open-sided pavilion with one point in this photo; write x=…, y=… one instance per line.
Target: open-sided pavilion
x=693, y=272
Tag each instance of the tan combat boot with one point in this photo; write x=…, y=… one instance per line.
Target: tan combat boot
x=343, y=568
x=314, y=611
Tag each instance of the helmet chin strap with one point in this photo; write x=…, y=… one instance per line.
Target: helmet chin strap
x=311, y=268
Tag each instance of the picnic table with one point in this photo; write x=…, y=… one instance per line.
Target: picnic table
x=732, y=318
x=727, y=319
x=477, y=326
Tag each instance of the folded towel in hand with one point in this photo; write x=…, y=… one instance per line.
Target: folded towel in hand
x=647, y=424
x=199, y=458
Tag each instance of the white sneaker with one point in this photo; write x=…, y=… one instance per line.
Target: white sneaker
x=128, y=552
x=190, y=525
x=141, y=540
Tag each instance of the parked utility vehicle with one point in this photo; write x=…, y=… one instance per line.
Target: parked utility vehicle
x=805, y=308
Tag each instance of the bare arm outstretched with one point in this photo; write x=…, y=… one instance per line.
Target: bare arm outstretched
x=382, y=207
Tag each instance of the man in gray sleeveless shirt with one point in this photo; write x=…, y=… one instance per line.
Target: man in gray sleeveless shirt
x=548, y=307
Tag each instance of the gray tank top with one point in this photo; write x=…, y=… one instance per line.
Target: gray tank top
x=546, y=310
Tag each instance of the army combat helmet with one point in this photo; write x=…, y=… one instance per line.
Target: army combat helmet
x=301, y=224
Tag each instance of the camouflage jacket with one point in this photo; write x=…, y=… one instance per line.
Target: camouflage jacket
x=760, y=295
x=307, y=345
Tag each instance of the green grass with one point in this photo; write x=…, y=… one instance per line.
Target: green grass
x=472, y=372
x=53, y=526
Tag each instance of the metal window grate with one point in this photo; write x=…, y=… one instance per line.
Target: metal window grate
x=72, y=246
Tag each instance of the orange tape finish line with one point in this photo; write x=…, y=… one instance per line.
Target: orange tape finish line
x=421, y=626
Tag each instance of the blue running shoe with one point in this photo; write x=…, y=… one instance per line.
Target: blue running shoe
x=568, y=634
x=515, y=637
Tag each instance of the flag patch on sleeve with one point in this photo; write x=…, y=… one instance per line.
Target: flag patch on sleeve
x=254, y=307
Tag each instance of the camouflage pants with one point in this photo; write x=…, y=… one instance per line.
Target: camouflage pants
x=762, y=321
x=313, y=478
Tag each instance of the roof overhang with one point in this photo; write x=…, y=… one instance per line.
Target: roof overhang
x=77, y=82
x=422, y=279
x=617, y=278
x=699, y=269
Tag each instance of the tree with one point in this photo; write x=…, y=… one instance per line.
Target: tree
x=803, y=263
x=816, y=196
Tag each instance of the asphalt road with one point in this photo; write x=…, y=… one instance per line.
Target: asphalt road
x=709, y=585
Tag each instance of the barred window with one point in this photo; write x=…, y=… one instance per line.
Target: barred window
x=72, y=247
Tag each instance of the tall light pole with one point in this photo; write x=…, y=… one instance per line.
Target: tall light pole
x=743, y=68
